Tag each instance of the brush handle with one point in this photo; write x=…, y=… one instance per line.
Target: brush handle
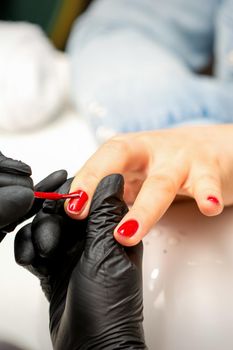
x=55, y=196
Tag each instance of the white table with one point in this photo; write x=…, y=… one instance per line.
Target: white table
x=188, y=281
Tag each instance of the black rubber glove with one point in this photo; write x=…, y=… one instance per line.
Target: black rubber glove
x=16, y=192
x=94, y=285
x=16, y=195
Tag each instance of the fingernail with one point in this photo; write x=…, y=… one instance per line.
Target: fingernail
x=213, y=199
x=128, y=228
x=76, y=205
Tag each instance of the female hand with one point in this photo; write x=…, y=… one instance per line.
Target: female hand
x=196, y=162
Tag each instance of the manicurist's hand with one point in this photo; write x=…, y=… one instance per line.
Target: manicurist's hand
x=196, y=162
x=17, y=202
x=16, y=194
x=93, y=284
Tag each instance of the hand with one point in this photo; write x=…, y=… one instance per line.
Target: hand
x=195, y=162
x=94, y=285
x=16, y=192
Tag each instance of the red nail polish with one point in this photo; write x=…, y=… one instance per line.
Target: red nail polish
x=128, y=228
x=213, y=199
x=77, y=204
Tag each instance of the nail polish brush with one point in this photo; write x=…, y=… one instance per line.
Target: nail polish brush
x=55, y=196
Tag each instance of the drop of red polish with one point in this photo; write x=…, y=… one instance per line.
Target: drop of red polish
x=213, y=199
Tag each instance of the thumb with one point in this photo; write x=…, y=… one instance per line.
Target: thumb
x=15, y=203
x=106, y=211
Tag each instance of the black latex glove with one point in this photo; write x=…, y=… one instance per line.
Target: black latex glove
x=16, y=192
x=8, y=346
x=93, y=284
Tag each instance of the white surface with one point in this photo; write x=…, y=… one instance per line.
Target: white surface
x=188, y=281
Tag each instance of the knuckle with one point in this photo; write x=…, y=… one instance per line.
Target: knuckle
x=147, y=211
x=165, y=182
x=116, y=145
x=210, y=180
x=90, y=178
x=86, y=177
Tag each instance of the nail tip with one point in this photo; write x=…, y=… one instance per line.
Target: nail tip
x=128, y=228
x=76, y=205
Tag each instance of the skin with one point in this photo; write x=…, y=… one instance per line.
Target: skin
x=160, y=166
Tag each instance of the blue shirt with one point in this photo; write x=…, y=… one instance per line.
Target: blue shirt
x=136, y=62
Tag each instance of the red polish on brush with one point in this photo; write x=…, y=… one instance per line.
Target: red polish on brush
x=55, y=196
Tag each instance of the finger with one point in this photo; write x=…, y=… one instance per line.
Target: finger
x=11, y=166
x=15, y=203
x=107, y=262
x=206, y=189
x=24, y=249
x=107, y=209
x=49, y=224
x=113, y=157
x=131, y=190
x=47, y=232
x=15, y=180
x=52, y=182
x=154, y=198
x=57, y=207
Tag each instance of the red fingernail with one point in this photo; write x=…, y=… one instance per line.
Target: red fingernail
x=213, y=199
x=77, y=204
x=128, y=228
